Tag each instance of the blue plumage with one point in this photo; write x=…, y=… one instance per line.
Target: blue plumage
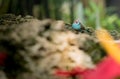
x=76, y=25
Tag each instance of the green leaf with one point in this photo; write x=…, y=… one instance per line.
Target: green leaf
x=93, y=6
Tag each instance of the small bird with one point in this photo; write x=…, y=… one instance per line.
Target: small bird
x=77, y=25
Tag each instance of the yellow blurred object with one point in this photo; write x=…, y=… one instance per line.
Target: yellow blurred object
x=111, y=47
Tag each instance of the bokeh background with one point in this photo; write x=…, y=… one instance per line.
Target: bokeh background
x=66, y=10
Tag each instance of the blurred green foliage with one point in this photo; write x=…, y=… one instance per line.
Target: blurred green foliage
x=66, y=10
x=4, y=5
x=110, y=22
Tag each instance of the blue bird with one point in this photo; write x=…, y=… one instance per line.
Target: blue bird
x=76, y=25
